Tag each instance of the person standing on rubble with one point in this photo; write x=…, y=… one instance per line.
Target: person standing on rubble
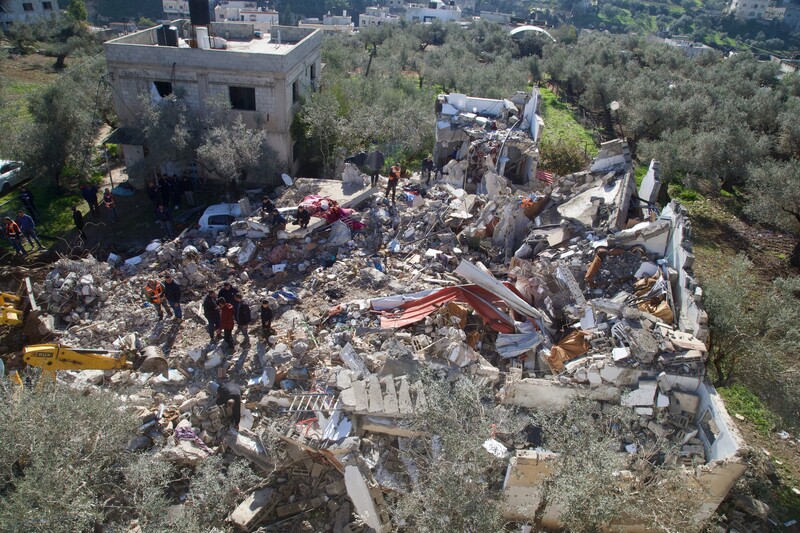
x=230, y=395
x=242, y=317
x=172, y=292
x=394, y=178
x=211, y=312
x=303, y=217
x=226, y=318
x=154, y=291
x=374, y=164
x=266, y=318
x=228, y=292
x=427, y=168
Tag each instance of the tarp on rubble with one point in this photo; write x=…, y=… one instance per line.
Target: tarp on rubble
x=511, y=345
x=485, y=303
x=314, y=204
x=505, y=292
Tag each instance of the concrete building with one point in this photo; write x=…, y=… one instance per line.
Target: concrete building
x=262, y=78
x=331, y=23
x=174, y=9
x=749, y=9
x=376, y=16
x=690, y=48
x=493, y=16
x=237, y=11
x=433, y=10
x=21, y=11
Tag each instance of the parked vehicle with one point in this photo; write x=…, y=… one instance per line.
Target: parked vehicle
x=219, y=217
x=10, y=175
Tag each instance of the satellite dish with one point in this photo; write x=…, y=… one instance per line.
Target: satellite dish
x=614, y=106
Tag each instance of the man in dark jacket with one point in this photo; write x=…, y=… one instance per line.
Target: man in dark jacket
x=26, y=197
x=28, y=228
x=90, y=195
x=211, y=312
x=228, y=292
x=242, y=316
x=77, y=218
x=375, y=161
x=230, y=395
x=266, y=317
x=172, y=291
x=226, y=320
x=164, y=219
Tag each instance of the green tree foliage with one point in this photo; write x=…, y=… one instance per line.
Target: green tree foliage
x=754, y=335
x=61, y=456
x=170, y=129
x=562, y=156
x=774, y=189
x=57, y=36
x=77, y=10
x=66, y=116
x=459, y=485
x=232, y=150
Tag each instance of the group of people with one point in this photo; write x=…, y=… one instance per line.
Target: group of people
x=89, y=193
x=272, y=216
x=171, y=191
x=23, y=226
x=226, y=309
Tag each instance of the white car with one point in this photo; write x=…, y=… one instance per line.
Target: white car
x=219, y=217
x=10, y=175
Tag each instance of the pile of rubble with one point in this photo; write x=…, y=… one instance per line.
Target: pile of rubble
x=546, y=292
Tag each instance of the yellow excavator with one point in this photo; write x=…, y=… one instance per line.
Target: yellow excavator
x=12, y=306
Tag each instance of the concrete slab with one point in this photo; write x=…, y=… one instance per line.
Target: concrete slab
x=247, y=515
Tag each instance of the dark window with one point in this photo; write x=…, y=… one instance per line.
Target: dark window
x=313, y=72
x=164, y=88
x=243, y=98
x=27, y=6
x=220, y=220
x=47, y=6
x=295, y=91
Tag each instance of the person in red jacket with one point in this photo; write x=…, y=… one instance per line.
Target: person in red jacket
x=226, y=319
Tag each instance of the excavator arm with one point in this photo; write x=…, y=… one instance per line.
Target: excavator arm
x=54, y=357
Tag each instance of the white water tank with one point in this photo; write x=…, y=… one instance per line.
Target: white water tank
x=201, y=32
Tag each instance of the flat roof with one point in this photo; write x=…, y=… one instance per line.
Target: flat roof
x=239, y=36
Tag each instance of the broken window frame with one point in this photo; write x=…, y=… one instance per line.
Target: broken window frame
x=242, y=98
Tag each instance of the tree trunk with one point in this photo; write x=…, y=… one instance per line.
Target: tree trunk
x=794, y=259
x=371, y=55
x=60, y=61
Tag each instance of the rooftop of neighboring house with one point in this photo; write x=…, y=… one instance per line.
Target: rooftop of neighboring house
x=224, y=36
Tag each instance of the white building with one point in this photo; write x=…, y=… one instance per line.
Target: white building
x=434, y=10
x=21, y=11
x=174, y=9
x=376, y=16
x=330, y=23
x=237, y=11
x=749, y=9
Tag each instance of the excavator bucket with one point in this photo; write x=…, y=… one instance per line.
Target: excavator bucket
x=153, y=360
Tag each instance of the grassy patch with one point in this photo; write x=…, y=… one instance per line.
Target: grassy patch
x=676, y=190
x=739, y=400
x=639, y=173
x=559, y=123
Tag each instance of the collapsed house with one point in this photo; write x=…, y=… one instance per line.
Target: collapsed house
x=471, y=131
x=597, y=300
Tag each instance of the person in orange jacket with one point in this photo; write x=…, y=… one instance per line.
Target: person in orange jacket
x=154, y=291
x=111, y=204
x=14, y=236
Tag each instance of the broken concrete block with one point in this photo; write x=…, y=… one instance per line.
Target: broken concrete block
x=642, y=396
x=249, y=513
x=367, y=499
x=360, y=397
x=249, y=448
x=375, y=395
x=390, y=403
x=688, y=403
x=404, y=398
